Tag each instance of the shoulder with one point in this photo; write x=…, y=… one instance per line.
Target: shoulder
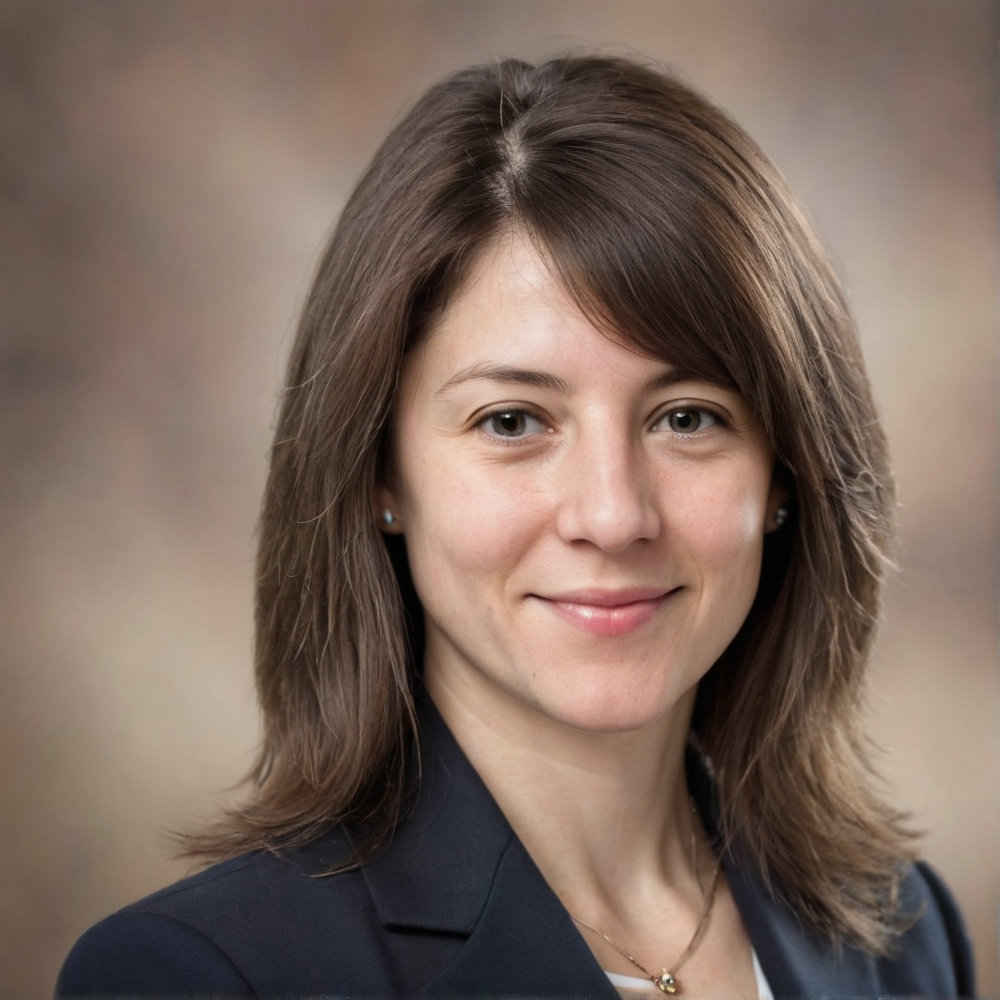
x=134, y=952
x=931, y=957
x=231, y=930
x=157, y=945
x=934, y=954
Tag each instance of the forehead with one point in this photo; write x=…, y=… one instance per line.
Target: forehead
x=512, y=307
x=509, y=279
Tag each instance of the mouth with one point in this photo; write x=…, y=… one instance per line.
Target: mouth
x=607, y=612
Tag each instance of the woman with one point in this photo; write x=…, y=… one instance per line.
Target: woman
x=569, y=568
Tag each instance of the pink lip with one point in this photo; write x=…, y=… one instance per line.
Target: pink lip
x=607, y=612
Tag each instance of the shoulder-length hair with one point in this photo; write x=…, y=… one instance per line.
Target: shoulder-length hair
x=671, y=228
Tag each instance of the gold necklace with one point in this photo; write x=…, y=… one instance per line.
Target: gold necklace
x=666, y=982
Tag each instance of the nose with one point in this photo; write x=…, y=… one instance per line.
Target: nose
x=608, y=495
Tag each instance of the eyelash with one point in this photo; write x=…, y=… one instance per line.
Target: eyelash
x=530, y=414
x=501, y=410
x=717, y=418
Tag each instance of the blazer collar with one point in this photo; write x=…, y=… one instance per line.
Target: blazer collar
x=437, y=873
x=796, y=959
x=455, y=866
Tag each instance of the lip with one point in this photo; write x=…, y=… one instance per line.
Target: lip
x=607, y=612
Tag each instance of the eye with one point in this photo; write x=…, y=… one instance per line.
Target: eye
x=687, y=420
x=511, y=423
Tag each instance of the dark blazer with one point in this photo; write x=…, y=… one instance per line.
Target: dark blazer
x=454, y=908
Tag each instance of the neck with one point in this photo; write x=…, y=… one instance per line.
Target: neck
x=604, y=815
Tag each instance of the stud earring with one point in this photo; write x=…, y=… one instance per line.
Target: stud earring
x=388, y=516
x=781, y=515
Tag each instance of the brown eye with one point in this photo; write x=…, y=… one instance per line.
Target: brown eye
x=511, y=424
x=690, y=421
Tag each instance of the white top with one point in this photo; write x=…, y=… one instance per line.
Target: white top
x=641, y=985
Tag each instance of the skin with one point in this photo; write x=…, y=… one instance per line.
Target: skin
x=584, y=527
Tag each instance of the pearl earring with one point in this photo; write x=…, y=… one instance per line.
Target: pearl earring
x=388, y=516
x=780, y=516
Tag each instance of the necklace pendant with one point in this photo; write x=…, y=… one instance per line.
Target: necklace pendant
x=666, y=983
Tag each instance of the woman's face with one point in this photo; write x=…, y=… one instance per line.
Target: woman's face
x=584, y=524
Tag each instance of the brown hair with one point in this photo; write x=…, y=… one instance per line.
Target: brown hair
x=671, y=228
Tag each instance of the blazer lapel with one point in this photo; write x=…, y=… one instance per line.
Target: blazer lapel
x=797, y=961
x=455, y=868
x=437, y=872
x=525, y=944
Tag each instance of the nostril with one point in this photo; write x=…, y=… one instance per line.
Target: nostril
x=612, y=523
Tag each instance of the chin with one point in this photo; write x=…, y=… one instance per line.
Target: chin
x=608, y=708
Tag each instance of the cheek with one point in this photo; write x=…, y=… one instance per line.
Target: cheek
x=726, y=528
x=464, y=530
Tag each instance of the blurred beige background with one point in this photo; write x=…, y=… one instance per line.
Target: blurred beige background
x=168, y=171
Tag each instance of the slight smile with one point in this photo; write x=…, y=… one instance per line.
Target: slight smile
x=607, y=612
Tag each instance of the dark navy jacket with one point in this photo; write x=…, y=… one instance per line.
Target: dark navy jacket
x=454, y=908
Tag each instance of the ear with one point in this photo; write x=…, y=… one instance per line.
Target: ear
x=386, y=510
x=779, y=496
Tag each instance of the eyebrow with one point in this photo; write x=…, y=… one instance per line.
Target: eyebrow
x=488, y=371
